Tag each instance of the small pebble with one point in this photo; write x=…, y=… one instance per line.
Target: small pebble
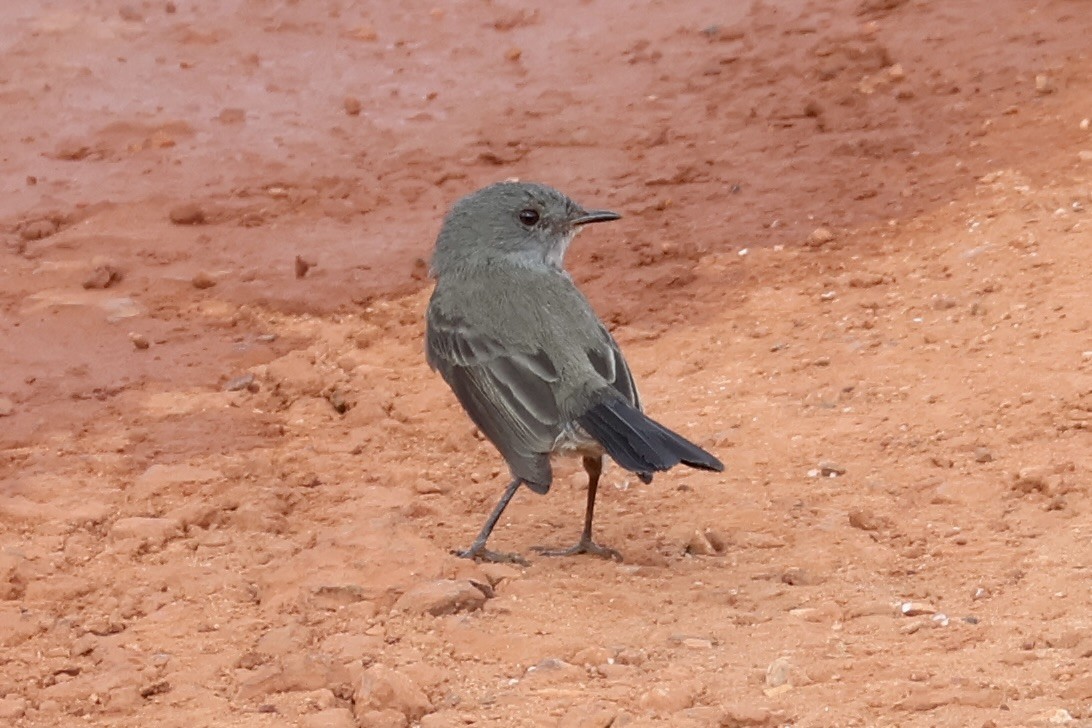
x=352, y=105
x=202, y=280
x=189, y=213
x=829, y=469
x=1043, y=84
x=819, y=237
x=302, y=266
x=243, y=381
x=982, y=455
x=140, y=342
x=916, y=609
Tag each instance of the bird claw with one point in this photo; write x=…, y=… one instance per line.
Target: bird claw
x=583, y=546
x=492, y=557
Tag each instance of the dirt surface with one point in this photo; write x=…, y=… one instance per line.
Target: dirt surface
x=854, y=264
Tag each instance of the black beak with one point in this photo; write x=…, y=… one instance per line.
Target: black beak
x=588, y=216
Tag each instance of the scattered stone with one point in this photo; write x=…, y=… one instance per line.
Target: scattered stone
x=202, y=281
x=865, y=520
x=1060, y=716
x=592, y=656
x=633, y=656
x=152, y=531
x=139, y=341
x=1029, y=480
x=822, y=361
x=554, y=670
x=329, y=718
x=669, y=698
x=1044, y=84
x=241, y=382
x=84, y=645
x=944, y=303
x=797, y=576
x=819, y=237
x=867, y=280
x=352, y=105
x=829, y=469
x=7, y=407
x=425, y=486
x=158, y=687
x=916, y=609
x=980, y=593
x=102, y=276
x=700, y=545
x=337, y=400
x=302, y=266
x=982, y=455
x=445, y=596
x=599, y=714
x=189, y=213
x=777, y=674
x=1085, y=155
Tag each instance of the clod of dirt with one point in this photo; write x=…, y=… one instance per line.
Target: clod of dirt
x=337, y=400
x=231, y=116
x=1044, y=84
x=103, y=276
x=865, y=520
x=1030, y=480
x=139, y=341
x=202, y=280
x=777, y=673
x=352, y=105
x=189, y=213
x=38, y=229
x=982, y=455
x=302, y=266
x=828, y=468
x=445, y=596
x=6, y=407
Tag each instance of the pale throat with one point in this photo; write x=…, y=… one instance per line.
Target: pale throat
x=555, y=254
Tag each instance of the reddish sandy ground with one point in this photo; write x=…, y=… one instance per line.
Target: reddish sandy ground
x=903, y=398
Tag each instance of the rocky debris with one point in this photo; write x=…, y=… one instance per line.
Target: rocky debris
x=819, y=237
x=777, y=673
x=13, y=707
x=139, y=341
x=7, y=407
x=830, y=469
x=982, y=455
x=669, y=698
x=382, y=689
x=444, y=596
x=915, y=609
x=1031, y=480
x=241, y=382
x=103, y=276
x=865, y=520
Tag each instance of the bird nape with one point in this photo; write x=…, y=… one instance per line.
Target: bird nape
x=528, y=359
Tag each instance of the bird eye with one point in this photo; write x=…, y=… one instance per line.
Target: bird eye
x=528, y=217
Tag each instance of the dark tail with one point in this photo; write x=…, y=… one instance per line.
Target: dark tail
x=640, y=444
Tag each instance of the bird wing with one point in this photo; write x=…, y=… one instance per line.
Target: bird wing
x=610, y=364
x=508, y=394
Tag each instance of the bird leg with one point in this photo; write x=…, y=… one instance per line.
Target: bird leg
x=478, y=550
x=594, y=468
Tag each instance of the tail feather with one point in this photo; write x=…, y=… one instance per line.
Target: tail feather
x=639, y=443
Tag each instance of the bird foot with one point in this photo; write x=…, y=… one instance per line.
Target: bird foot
x=480, y=553
x=583, y=546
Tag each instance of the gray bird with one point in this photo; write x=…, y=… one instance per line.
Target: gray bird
x=527, y=357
